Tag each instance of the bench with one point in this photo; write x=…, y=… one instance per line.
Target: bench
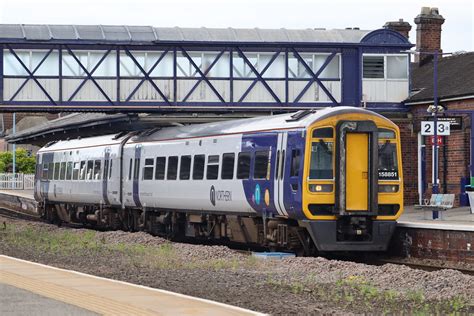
x=437, y=205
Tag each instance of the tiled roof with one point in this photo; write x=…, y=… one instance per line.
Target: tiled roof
x=455, y=78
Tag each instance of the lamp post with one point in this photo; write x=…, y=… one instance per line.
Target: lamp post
x=435, y=189
x=434, y=111
x=14, y=145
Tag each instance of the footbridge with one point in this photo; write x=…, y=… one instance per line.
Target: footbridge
x=136, y=69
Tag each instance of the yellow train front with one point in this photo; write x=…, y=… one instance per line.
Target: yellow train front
x=352, y=181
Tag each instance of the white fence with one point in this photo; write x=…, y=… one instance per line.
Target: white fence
x=17, y=181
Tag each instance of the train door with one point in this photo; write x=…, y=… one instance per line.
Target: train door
x=357, y=170
x=46, y=176
x=278, y=180
x=291, y=193
x=105, y=176
x=136, y=176
x=357, y=167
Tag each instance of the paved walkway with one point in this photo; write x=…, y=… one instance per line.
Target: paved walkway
x=18, y=302
x=459, y=218
x=105, y=296
x=21, y=193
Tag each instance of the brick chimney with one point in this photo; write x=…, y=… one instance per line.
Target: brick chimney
x=428, y=33
x=399, y=26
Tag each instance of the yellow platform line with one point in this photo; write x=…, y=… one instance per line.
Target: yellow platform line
x=92, y=303
x=106, y=296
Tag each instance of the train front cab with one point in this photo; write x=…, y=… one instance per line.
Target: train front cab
x=352, y=184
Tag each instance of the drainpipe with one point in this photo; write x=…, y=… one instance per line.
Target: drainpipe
x=472, y=149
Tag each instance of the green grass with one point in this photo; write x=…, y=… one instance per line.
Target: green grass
x=68, y=242
x=355, y=293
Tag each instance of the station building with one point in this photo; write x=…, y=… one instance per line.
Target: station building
x=182, y=75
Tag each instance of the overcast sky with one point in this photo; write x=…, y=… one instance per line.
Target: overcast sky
x=458, y=29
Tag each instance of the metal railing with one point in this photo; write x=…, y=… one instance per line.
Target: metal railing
x=17, y=181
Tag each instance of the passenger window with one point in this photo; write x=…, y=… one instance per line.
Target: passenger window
x=62, y=173
x=69, y=171
x=90, y=169
x=185, y=168
x=260, y=169
x=160, y=168
x=75, y=171
x=136, y=169
x=321, y=160
x=56, y=170
x=130, y=169
x=295, y=163
x=148, y=169
x=243, y=166
x=83, y=170
x=212, y=167
x=172, y=168
x=228, y=166
x=198, y=167
x=97, y=164
x=44, y=175
x=50, y=171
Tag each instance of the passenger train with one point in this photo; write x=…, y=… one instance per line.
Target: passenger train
x=315, y=180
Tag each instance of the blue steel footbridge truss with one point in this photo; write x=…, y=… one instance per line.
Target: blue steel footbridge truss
x=146, y=69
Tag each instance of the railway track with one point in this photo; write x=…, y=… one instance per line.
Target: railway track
x=12, y=214
x=423, y=266
x=370, y=260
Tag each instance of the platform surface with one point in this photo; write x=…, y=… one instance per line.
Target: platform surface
x=104, y=296
x=21, y=193
x=18, y=302
x=459, y=218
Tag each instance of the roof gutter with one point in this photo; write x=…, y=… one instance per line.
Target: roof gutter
x=442, y=100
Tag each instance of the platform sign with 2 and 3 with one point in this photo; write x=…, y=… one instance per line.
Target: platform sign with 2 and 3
x=427, y=128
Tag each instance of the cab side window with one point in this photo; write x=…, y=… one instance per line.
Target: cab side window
x=260, y=169
x=295, y=163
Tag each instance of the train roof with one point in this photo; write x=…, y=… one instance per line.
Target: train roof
x=71, y=144
x=298, y=120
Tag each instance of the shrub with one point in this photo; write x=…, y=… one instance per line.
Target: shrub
x=24, y=162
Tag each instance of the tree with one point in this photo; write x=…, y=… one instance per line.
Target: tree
x=25, y=163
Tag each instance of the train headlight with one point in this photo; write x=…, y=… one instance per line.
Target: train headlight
x=320, y=187
x=388, y=188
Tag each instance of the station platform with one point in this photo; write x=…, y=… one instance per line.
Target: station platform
x=85, y=294
x=20, y=193
x=459, y=218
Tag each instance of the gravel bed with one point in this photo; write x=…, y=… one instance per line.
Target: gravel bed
x=311, y=285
